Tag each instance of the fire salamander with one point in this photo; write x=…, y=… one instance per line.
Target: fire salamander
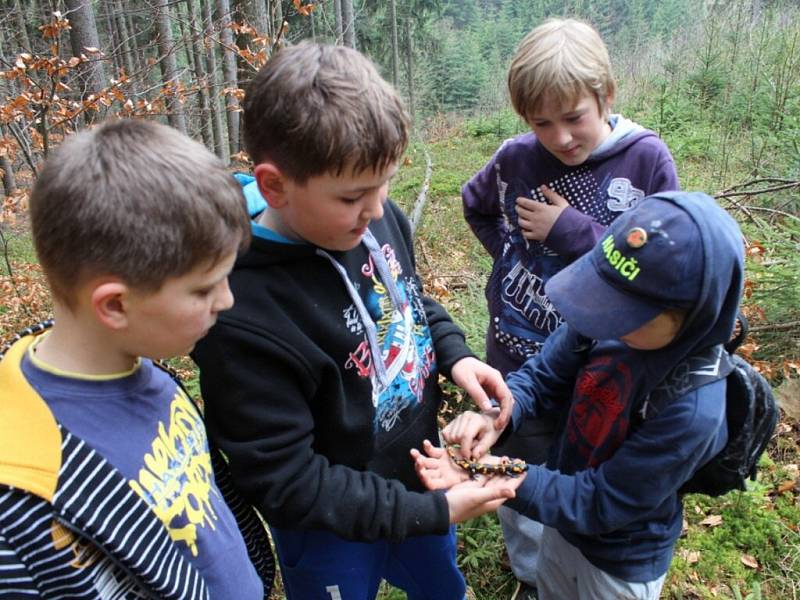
x=506, y=467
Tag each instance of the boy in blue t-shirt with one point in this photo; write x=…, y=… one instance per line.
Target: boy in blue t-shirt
x=106, y=479
x=662, y=285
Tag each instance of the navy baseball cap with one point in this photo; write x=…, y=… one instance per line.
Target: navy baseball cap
x=649, y=260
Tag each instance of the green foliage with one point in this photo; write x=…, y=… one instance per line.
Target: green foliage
x=480, y=546
x=754, y=595
x=775, y=273
x=504, y=123
x=458, y=74
x=714, y=553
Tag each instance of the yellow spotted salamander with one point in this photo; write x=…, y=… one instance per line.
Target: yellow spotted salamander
x=508, y=468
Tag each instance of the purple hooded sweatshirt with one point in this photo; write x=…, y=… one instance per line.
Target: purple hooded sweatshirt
x=631, y=163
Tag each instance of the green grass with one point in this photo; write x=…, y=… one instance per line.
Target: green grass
x=20, y=247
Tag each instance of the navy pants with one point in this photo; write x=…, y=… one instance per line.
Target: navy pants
x=318, y=565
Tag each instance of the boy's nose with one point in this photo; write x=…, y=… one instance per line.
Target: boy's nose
x=563, y=136
x=373, y=208
x=224, y=299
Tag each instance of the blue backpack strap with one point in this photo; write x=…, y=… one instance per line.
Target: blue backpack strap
x=712, y=364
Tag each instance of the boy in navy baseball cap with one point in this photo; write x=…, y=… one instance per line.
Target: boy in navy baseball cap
x=662, y=284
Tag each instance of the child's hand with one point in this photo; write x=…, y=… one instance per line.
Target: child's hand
x=471, y=499
x=436, y=470
x=536, y=218
x=481, y=382
x=474, y=432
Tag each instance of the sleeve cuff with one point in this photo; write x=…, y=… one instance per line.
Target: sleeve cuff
x=572, y=234
x=428, y=513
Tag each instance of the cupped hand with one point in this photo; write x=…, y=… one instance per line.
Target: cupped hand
x=536, y=218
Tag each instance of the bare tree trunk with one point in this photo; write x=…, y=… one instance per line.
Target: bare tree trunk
x=138, y=54
x=260, y=17
x=169, y=67
x=83, y=34
x=395, y=50
x=116, y=41
x=409, y=67
x=9, y=183
x=348, y=24
x=22, y=26
x=217, y=125
x=206, y=129
x=755, y=11
x=124, y=35
x=337, y=15
x=186, y=35
x=20, y=130
x=229, y=70
x=278, y=17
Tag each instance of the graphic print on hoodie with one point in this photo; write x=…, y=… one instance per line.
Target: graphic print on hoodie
x=403, y=339
x=630, y=164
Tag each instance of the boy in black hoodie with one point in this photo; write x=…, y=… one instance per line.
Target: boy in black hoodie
x=324, y=374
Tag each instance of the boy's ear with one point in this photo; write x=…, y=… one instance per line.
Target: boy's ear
x=109, y=303
x=271, y=183
x=609, y=104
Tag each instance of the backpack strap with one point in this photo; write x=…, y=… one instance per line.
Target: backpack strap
x=706, y=366
x=740, y=333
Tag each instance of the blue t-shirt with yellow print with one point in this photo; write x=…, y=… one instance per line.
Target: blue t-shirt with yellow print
x=143, y=424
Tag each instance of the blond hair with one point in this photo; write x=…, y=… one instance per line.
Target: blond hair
x=560, y=60
x=136, y=200
x=316, y=109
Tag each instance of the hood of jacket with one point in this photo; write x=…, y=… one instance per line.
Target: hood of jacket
x=712, y=319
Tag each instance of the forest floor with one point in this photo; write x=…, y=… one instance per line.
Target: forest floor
x=742, y=545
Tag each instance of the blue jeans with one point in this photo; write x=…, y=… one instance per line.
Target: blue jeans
x=318, y=565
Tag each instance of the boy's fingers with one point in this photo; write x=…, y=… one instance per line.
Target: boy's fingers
x=552, y=197
x=432, y=450
x=477, y=393
x=524, y=203
x=506, y=406
x=492, y=497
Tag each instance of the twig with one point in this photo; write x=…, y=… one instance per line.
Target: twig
x=24, y=146
x=459, y=275
x=423, y=194
x=740, y=206
x=755, y=181
x=775, y=211
x=11, y=277
x=775, y=188
x=425, y=256
x=746, y=209
x=776, y=326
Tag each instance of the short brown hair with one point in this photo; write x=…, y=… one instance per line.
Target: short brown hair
x=561, y=59
x=133, y=199
x=316, y=109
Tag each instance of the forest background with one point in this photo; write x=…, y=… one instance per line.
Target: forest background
x=719, y=80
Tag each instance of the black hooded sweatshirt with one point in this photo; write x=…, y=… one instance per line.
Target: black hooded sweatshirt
x=317, y=430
